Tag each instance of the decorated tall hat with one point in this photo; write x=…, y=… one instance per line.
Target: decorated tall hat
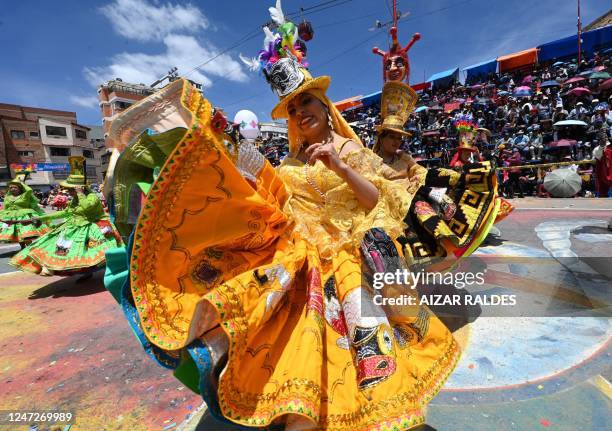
x=20, y=178
x=397, y=102
x=283, y=62
x=467, y=132
x=77, y=177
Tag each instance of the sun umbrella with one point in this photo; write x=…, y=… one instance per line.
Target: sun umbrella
x=420, y=108
x=558, y=63
x=599, y=68
x=503, y=93
x=579, y=91
x=570, y=123
x=606, y=85
x=550, y=84
x=562, y=183
x=476, y=87
x=528, y=79
x=431, y=133
x=574, y=79
x=600, y=75
x=522, y=93
x=562, y=143
x=586, y=73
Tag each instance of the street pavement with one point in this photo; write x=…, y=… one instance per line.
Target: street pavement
x=67, y=345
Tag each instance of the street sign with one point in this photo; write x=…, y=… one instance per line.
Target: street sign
x=32, y=167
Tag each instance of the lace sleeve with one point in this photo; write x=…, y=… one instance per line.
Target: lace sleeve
x=343, y=210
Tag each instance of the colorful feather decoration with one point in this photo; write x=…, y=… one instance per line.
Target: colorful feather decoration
x=276, y=13
x=284, y=43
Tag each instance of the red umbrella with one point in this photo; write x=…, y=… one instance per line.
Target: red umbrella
x=562, y=143
x=432, y=133
x=574, y=79
x=579, y=91
x=599, y=68
x=606, y=85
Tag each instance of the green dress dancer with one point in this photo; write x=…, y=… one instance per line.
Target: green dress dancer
x=20, y=204
x=78, y=245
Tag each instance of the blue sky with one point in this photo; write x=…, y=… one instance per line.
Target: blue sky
x=55, y=53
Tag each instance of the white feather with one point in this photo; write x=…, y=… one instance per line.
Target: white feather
x=251, y=63
x=270, y=37
x=276, y=13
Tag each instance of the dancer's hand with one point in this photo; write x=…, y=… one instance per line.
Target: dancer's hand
x=327, y=154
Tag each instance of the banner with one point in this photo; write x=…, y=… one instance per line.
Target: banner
x=32, y=167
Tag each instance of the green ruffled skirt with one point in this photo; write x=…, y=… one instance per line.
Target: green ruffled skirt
x=68, y=249
x=18, y=232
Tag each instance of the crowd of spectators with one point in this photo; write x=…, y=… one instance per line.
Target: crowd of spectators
x=518, y=116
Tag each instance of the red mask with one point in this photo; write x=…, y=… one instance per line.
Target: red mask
x=396, y=66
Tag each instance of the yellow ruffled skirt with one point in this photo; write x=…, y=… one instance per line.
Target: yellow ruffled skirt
x=302, y=343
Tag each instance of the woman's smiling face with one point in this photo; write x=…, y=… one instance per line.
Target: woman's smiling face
x=308, y=114
x=391, y=142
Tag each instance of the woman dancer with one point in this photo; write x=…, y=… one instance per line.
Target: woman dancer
x=249, y=281
x=78, y=244
x=20, y=204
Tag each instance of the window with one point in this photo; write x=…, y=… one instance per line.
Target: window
x=60, y=152
x=17, y=134
x=81, y=134
x=60, y=175
x=88, y=154
x=34, y=134
x=121, y=105
x=56, y=131
x=91, y=172
x=25, y=153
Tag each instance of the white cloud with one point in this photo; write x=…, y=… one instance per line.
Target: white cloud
x=143, y=21
x=85, y=101
x=181, y=51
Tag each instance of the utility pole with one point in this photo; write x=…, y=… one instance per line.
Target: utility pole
x=579, y=35
x=395, y=13
x=171, y=76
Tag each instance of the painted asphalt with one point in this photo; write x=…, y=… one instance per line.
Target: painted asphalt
x=67, y=345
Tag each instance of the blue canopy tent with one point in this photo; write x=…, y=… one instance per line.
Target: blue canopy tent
x=444, y=79
x=568, y=46
x=481, y=69
x=371, y=99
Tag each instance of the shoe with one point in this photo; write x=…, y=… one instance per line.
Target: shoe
x=46, y=271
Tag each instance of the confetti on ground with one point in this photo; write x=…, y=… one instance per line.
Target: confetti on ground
x=471, y=366
x=540, y=387
x=545, y=422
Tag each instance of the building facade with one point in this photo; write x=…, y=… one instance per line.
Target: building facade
x=36, y=135
x=272, y=130
x=116, y=96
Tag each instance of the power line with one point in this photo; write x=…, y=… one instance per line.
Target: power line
x=345, y=51
x=357, y=18
x=313, y=9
